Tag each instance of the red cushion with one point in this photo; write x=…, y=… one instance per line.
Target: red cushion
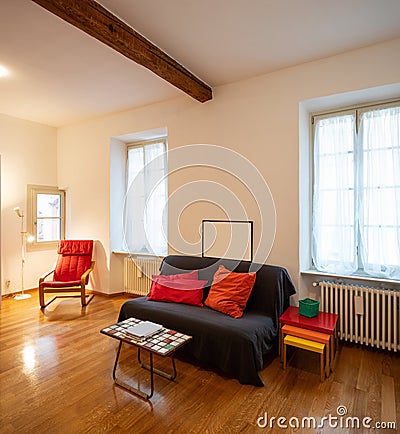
x=230, y=291
x=192, y=275
x=75, y=258
x=169, y=280
x=187, y=291
x=75, y=247
x=71, y=267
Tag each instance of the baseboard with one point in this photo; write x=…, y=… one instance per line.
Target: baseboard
x=13, y=294
x=89, y=291
x=115, y=294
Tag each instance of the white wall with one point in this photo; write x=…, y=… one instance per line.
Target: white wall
x=28, y=152
x=258, y=118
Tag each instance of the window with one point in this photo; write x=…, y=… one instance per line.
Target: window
x=45, y=216
x=356, y=192
x=145, y=222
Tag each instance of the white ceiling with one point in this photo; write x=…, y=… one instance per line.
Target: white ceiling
x=58, y=74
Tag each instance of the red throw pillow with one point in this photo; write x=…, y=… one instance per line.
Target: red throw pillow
x=230, y=291
x=167, y=280
x=187, y=291
x=192, y=275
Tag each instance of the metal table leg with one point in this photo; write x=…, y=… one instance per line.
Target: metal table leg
x=149, y=367
x=158, y=371
x=126, y=386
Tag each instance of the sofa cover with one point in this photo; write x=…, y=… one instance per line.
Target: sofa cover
x=236, y=346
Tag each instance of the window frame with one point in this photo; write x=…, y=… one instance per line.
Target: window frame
x=142, y=144
x=32, y=193
x=358, y=110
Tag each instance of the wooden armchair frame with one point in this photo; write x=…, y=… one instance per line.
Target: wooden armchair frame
x=70, y=272
x=49, y=290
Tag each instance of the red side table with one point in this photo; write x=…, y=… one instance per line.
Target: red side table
x=324, y=322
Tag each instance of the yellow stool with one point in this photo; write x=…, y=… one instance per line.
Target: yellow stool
x=311, y=335
x=305, y=344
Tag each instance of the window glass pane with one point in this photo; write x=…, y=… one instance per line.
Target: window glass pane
x=380, y=192
x=334, y=203
x=146, y=199
x=135, y=163
x=384, y=212
x=48, y=229
x=334, y=247
x=383, y=249
x=334, y=167
x=379, y=170
x=152, y=151
x=335, y=134
x=48, y=205
x=380, y=128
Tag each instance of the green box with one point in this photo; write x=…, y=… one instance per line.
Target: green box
x=308, y=307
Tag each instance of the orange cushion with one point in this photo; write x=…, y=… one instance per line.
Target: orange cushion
x=230, y=291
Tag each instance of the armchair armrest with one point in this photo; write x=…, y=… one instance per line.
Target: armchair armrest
x=86, y=274
x=46, y=274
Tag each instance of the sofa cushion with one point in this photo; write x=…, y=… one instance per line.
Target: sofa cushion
x=167, y=280
x=187, y=291
x=192, y=275
x=230, y=291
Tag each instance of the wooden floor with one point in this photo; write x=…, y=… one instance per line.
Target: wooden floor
x=55, y=377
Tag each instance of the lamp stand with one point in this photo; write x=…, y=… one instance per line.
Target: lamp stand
x=22, y=295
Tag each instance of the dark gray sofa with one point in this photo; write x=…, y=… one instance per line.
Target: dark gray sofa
x=237, y=347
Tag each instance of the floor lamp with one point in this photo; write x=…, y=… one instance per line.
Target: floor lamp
x=24, y=237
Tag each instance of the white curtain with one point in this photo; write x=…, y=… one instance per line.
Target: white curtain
x=333, y=244
x=380, y=198
x=145, y=220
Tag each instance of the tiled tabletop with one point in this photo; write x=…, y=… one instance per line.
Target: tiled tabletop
x=162, y=343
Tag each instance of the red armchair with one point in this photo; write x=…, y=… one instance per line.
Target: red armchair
x=71, y=273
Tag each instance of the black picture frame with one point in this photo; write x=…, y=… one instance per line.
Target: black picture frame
x=241, y=228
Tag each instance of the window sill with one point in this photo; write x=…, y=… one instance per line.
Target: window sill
x=358, y=278
x=120, y=252
x=123, y=253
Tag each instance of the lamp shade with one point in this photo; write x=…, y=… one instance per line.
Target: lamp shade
x=17, y=210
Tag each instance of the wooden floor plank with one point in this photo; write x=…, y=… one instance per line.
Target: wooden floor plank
x=56, y=377
x=388, y=399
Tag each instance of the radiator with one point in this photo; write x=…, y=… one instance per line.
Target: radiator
x=368, y=316
x=137, y=273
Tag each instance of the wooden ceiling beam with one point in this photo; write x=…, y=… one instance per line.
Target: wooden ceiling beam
x=92, y=18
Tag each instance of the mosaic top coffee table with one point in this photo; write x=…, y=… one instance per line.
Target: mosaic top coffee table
x=163, y=343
